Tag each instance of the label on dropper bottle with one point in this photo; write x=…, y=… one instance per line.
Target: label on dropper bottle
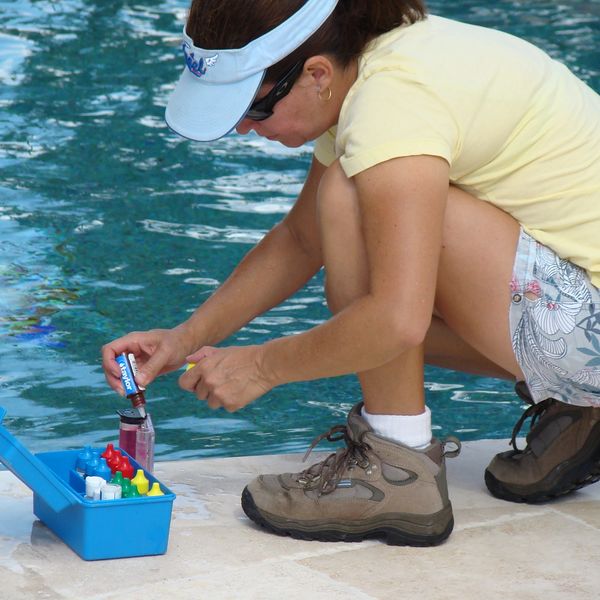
x=134, y=370
x=127, y=377
x=133, y=391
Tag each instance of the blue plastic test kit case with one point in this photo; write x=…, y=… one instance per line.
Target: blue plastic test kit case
x=95, y=529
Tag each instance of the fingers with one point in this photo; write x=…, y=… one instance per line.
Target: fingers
x=224, y=377
x=194, y=379
x=110, y=351
x=203, y=352
x=113, y=378
x=154, y=365
x=214, y=402
x=156, y=351
x=135, y=343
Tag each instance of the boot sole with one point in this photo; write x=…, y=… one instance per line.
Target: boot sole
x=356, y=532
x=582, y=472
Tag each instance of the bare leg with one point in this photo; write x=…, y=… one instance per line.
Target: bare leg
x=475, y=269
x=346, y=279
x=443, y=348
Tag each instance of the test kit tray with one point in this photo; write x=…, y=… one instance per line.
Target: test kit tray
x=94, y=529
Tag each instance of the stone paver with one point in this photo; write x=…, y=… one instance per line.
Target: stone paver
x=497, y=550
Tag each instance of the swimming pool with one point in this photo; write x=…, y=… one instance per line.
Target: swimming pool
x=109, y=223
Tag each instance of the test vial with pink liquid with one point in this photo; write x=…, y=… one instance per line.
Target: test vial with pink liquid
x=136, y=436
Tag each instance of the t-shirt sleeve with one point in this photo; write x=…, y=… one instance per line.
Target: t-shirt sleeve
x=324, y=149
x=391, y=115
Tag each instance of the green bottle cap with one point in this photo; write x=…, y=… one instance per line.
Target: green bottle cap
x=117, y=478
x=126, y=485
x=133, y=492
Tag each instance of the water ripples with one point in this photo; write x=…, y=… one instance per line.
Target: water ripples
x=234, y=235
x=110, y=222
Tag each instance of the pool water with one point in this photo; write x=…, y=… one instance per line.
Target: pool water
x=111, y=223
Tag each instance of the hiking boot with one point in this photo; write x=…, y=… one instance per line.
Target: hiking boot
x=562, y=452
x=374, y=487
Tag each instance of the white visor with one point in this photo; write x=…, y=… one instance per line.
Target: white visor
x=217, y=87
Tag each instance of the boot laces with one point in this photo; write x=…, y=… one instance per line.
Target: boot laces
x=535, y=412
x=325, y=475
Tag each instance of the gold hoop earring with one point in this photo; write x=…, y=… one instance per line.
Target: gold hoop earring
x=330, y=93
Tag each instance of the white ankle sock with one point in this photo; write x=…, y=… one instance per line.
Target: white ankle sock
x=410, y=430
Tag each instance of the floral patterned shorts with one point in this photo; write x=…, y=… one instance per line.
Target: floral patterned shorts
x=555, y=325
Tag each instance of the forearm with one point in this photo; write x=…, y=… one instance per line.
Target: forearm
x=271, y=272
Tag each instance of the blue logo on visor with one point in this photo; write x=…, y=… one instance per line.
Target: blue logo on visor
x=197, y=67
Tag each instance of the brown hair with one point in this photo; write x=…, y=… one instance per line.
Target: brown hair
x=220, y=24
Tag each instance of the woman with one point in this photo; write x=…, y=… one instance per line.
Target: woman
x=453, y=200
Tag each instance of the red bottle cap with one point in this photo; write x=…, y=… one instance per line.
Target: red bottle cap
x=114, y=461
x=125, y=467
x=110, y=450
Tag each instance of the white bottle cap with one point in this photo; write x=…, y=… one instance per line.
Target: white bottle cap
x=93, y=484
x=98, y=491
x=111, y=491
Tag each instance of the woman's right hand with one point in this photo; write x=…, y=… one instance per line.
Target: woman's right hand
x=156, y=352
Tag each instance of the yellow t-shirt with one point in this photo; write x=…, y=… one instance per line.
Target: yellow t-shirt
x=517, y=128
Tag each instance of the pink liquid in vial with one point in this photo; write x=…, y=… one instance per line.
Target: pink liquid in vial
x=136, y=437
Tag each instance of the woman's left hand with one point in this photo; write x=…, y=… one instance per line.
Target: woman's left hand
x=227, y=378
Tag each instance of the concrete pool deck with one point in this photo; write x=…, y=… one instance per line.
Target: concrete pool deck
x=497, y=550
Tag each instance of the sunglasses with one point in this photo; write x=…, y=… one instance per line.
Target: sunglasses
x=262, y=109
